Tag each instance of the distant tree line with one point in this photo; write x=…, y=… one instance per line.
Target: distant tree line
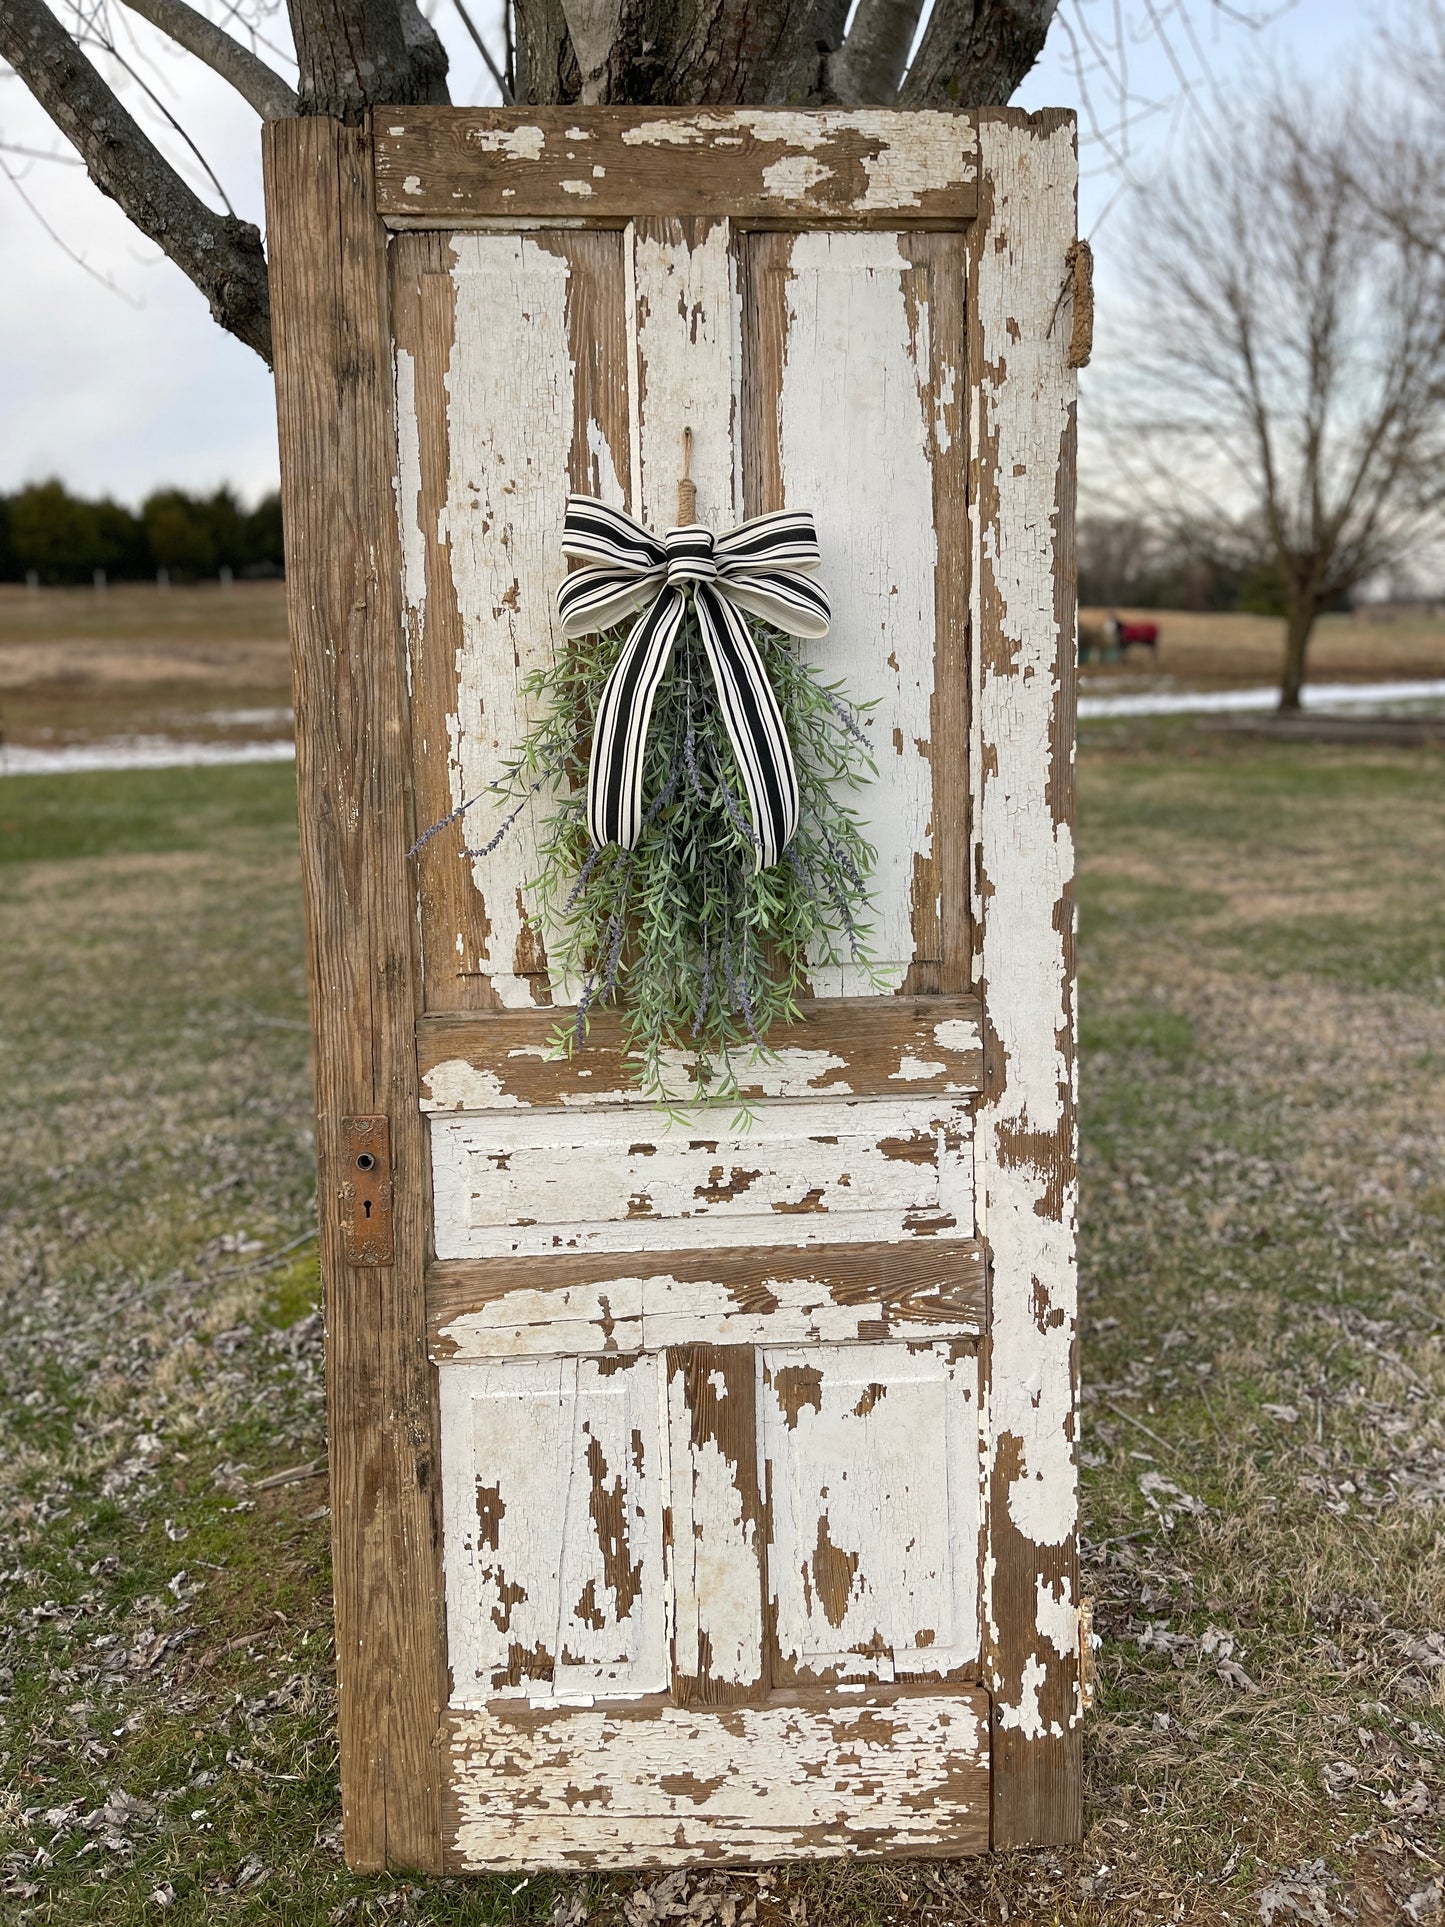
x=59, y=537
x=1130, y=562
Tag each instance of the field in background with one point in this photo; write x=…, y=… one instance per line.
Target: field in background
x=75, y=665
x=204, y=663
x=1263, y=1244
x=1232, y=651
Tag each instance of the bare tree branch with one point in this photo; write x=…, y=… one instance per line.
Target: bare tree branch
x=868, y=68
x=974, y=53
x=252, y=79
x=504, y=86
x=221, y=254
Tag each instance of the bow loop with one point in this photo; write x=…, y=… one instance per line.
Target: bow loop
x=761, y=568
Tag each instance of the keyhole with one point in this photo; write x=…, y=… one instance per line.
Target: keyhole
x=368, y=1207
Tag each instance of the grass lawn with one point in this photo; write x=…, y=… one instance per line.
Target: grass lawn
x=1264, y=1451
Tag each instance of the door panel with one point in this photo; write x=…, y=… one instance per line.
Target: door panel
x=877, y=1773
x=509, y=1185
x=871, y=1457
x=554, y=1484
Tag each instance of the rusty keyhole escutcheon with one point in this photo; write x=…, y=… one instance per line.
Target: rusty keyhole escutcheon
x=366, y=1191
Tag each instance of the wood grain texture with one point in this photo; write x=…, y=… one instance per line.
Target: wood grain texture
x=1021, y=427
x=557, y=1480
x=450, y=165
x=343, y=565
x=841, y=1048
x=801, y=1776
x=777, y=1294
x=520, y=395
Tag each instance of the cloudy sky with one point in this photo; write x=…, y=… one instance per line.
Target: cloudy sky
x=117, y=380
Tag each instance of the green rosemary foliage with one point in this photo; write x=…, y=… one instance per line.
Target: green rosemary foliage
x=702, y=952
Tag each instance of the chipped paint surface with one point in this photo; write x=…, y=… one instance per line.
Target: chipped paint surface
x=854, y=433
x=510, y=399
x=531, y=1183
x=408, y=503
x=650, y=1310
x=553, y=1506
x=870, y=1051
x=1021, y=432
x=871, y=1455
x=724, y=1466
x=601, y=1788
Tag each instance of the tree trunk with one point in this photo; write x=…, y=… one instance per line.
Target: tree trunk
x=355, y=54
x=1299, y=625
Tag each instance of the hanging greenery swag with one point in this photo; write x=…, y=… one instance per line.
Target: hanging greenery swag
x=696, y=873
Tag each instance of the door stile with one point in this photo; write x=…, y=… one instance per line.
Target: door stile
x=336, y=408
x=1021, y=431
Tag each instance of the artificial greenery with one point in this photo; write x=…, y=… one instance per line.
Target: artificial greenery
x=702, y=952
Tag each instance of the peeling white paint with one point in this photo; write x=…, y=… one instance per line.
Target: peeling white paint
x=685, y=343
x=870, y=1456
x=751, y=1783
x=1020, y=416
x=535, y=1182
x=412, y=184
x=408, y=503
x=512, y=143
x=510, y=400
x=855, y=449
x=583, y=189
x=650, y=1311
x=912, y=1070
x=553, y=1496
x=717, y=1592
x=457, y=1085
x=1057, y=1615
x=794, y=177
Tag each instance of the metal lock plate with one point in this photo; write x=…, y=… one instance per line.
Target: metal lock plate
x=366, y=1232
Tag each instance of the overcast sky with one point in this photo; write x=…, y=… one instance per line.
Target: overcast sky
x=117, y=380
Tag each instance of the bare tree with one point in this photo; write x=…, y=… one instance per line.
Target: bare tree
x=352, y=54
x=1281, y=375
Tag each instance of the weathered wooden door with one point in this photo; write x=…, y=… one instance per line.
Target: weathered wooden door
x=697, y=1493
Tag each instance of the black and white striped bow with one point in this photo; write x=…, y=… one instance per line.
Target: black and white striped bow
x=761, y=569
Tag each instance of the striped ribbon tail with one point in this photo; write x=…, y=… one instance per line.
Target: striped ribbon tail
x=754, y=724
x=619, y=735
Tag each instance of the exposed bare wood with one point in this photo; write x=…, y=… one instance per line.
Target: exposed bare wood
x=871, y=1458
x=257, y=84
x=526, y=1307
x=338, y=441
x=219, y=253
x=716, y=1521
x=741, y=164
x=842, y=1048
